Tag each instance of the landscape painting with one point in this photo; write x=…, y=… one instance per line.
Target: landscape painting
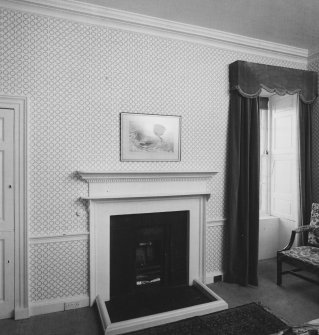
x=150, y=137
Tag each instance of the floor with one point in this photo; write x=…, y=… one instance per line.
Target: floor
x=297, y=301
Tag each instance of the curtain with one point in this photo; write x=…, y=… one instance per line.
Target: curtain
x=243, y=225
x=246, y=83
x=305, y=139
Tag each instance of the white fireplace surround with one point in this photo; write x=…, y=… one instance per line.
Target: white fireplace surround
x=119, y=193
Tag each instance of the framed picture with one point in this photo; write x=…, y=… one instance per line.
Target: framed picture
x=149, y=137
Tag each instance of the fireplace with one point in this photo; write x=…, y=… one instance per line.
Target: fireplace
x=131, y=214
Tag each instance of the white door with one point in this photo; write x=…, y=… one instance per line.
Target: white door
x=6, y=214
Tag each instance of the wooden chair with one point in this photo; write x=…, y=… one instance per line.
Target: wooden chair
x=305, y=257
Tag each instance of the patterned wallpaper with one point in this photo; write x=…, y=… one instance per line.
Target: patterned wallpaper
x=215, y=245
x=314, y=66
x=60, y=269
x=78, y=78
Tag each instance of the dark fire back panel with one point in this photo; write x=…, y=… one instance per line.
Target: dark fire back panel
x=148, y=249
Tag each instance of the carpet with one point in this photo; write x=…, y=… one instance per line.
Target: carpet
x=250, y=319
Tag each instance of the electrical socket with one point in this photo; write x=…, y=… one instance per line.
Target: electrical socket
x=71, y=305
x=218, y=278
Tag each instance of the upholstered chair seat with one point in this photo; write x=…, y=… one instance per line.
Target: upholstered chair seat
x=309, y=256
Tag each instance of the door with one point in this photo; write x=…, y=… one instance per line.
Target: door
x=6, y=213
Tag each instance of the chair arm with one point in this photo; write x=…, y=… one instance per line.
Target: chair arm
x=302, y=229
x=298, y=230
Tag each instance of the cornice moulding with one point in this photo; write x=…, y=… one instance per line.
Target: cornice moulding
x=313, y=55
x=95, y=14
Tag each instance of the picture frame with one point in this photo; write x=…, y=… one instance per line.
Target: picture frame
x=150, y=137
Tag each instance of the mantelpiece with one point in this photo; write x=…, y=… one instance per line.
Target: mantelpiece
x=108, y=184
x=120, y=193
x=109, y=175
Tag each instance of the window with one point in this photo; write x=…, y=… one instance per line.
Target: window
x=279, y=157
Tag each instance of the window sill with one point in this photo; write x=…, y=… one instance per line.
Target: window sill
x=268, y=217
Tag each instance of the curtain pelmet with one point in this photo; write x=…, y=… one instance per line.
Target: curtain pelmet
x=250, y=78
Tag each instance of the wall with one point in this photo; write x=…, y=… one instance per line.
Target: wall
x=78, y=78
x=269, y=231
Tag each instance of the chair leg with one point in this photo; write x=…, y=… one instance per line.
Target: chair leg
x=279, y=272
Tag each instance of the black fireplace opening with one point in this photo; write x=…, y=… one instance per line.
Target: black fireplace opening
x=148, y=250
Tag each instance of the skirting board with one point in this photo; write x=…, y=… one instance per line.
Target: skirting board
x=21, y=313
x=6, y=316
x=160, y=318
x=58, y=305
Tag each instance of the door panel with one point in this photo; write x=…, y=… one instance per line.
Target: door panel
x=6, y=275
x=6, y=170
x=6, y=213
x=1, y=186
x=284, y=128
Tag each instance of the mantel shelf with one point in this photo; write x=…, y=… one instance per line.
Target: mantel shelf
x=110, y=185
x=143, y=196
x=99, y=176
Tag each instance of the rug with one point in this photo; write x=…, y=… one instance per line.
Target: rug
x=250, y=319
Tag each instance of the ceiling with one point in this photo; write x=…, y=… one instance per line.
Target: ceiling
x=290, y=22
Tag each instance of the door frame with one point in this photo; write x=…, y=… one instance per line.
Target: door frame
x=21, y=295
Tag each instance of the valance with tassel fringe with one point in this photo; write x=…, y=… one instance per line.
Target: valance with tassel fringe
x=250, y=78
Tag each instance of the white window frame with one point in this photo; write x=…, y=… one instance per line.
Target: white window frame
x=266, y=153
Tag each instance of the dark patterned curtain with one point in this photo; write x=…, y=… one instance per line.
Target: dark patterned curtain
x=246, y=83
x=243, y=226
